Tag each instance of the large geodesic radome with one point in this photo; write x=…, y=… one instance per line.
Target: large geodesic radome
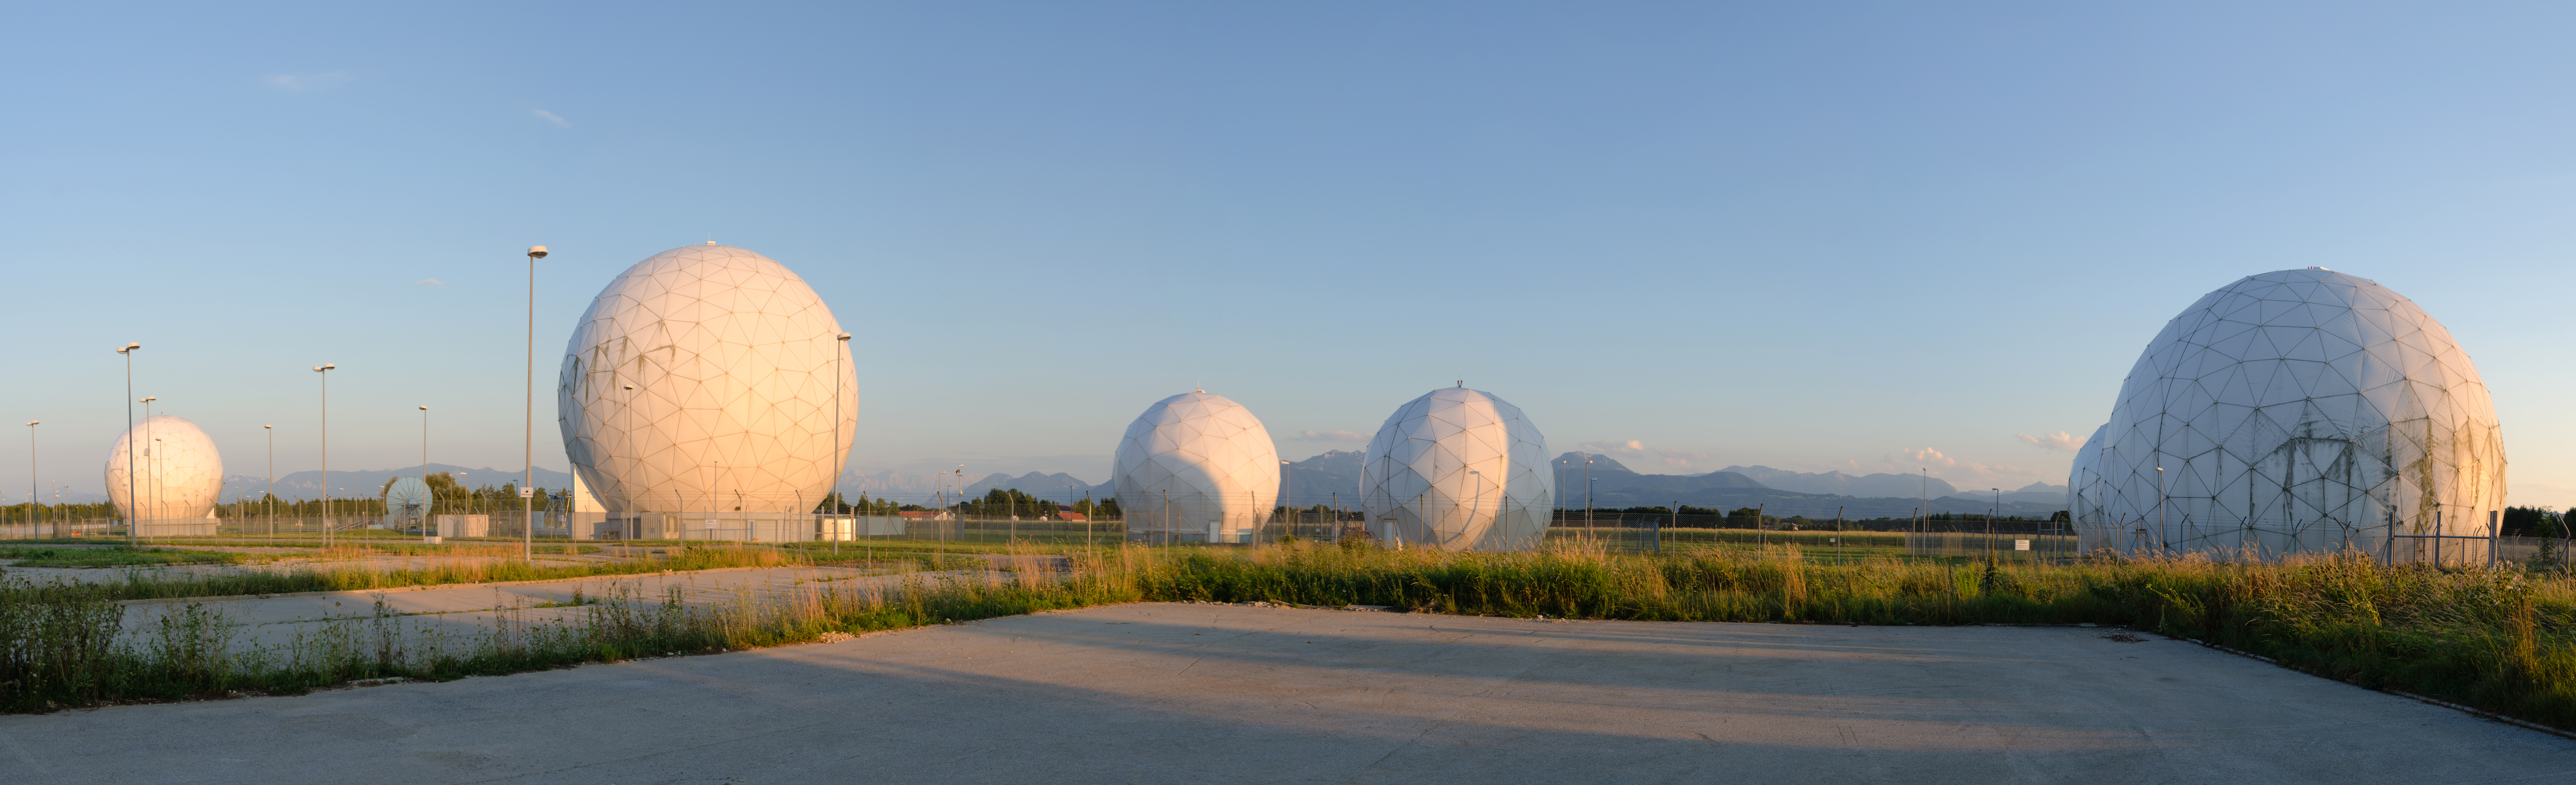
x=1458, y=469
x=2298, y=411
x=1196, y=467
x=2084, y=479
x=706, y=395
x=177, y=476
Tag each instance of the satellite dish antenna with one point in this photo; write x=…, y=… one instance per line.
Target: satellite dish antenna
x=406, y=503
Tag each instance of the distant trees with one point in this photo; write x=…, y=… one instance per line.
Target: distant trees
x=832, y=503
x=1000, y=502
x=2525, y=521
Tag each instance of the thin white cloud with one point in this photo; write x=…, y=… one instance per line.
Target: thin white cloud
x=429, y=282
x=1964, y=473
x=551, y=118
x=2060, y=441
x=301, y=82
x=1334, y=436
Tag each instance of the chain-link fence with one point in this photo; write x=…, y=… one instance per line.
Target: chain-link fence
x=1629, y=531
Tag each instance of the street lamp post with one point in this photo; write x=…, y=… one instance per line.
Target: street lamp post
x=31, y=478
x=271, y=501
x=1286, y=513
x=151, y=468
x=527, y=489
x=428, y=506
x=128, y=351
x=840, y=450
x=325, y=370
x=1587, y=498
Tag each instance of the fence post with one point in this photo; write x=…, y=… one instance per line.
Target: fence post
x=2491, y=538
x=1659, y=529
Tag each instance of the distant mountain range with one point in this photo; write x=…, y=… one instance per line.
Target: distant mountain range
x=1335, y=477
x=1878, y=495
x=1888, y=485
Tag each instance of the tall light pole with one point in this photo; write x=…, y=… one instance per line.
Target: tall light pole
x=528, y=488
x=128, y=351
x=31, y=478
x=840, y=449
x=151, y=467
x=1287, y=513
x=1587, y=497
x=325, y=370
x=271, y=501
x=427, y=506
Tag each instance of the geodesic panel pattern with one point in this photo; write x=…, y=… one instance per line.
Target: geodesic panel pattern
x=1458, y=469
x=1196, y=464
x=2297, y=411
x=178, y=474
x=2084, y=482
x=707, y=379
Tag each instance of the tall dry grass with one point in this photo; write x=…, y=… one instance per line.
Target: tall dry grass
x=2501, y=640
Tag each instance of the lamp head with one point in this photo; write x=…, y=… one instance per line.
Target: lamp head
x=845, y=336
x=31, y=422
x=424, y=408
x=536, y=252
x=148, y=399
x=129, y=348
x=266, y=427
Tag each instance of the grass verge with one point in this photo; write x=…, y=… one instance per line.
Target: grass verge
x=2498, y=640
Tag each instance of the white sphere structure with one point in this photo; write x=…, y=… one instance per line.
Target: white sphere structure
x=1458, y=469
x=706, y=394
x=1195, y=467
x=2084, y=479
x=177, y=477
x=2298, y=411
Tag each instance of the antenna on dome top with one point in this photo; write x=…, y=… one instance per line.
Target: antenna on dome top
x=1462, y=384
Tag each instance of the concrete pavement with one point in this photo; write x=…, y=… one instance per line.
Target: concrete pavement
x=1204, y=693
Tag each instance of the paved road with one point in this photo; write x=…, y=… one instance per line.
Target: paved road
x=1203, y=693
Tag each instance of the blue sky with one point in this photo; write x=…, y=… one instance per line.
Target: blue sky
x=1848, y=236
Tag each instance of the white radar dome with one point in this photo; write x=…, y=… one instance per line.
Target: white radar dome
x=708, y=382
x=177, y=473
x=2298, y=411
x=1196, y=467
x=1459, y=469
